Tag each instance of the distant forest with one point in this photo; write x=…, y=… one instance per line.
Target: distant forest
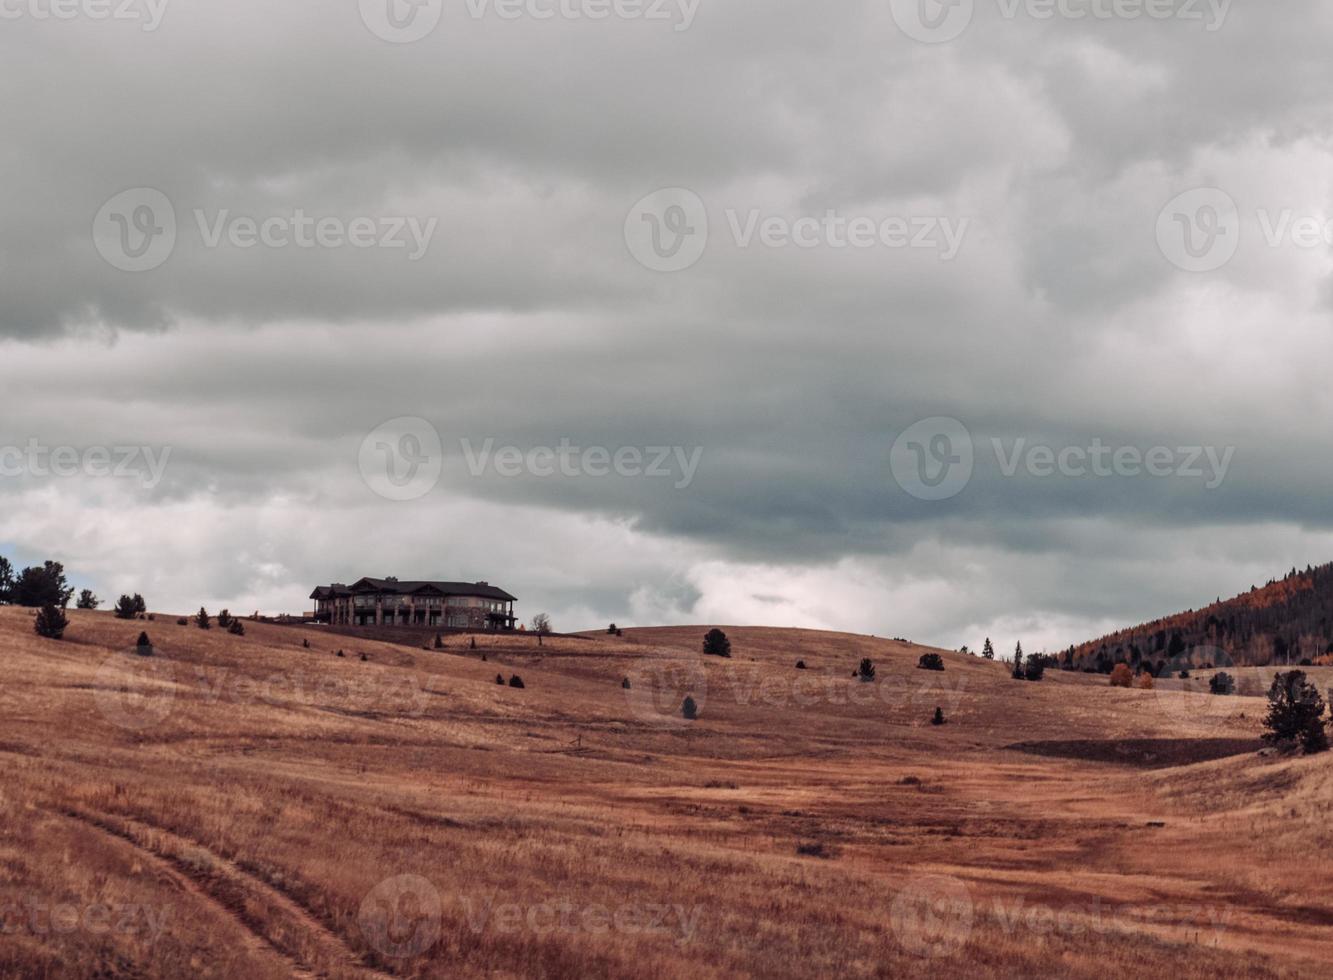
x=1288, y=621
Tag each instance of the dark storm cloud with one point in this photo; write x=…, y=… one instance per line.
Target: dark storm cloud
x=1050, y=146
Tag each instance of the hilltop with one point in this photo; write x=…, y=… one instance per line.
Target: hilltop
x=1288, y=621
x=269, y=809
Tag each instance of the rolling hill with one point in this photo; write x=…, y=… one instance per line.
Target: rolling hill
x=1289, y=621
x=255, y=806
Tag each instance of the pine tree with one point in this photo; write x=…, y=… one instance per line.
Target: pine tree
x=1018, y=662
x=87, y=600
x=201, y=619
x=50, y=622
x=1296, y=713
x=988, y=651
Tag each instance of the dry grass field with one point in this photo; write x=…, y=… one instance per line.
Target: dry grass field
x=248, y=807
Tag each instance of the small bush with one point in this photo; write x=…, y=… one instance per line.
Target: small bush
x=939, y=717
x=1184, y=675
x=341, y=654
x=611, y=630
x=364, y=658
x=144, y=646
x=800, y=665
x=1222, y=684
x=1122, y=676
x=866, y=672
x=1034, y=669
x=930, y=661
x=235, y=628
x=499, y=679
x=716, y=644
x=688, y=709
x=625, y=684
x=50, y=622
x=439, y=642
x=516, y=681
x=182, y=622
x=813, y=849
x=305, y=644
x=1145, y=682
x=87, y=600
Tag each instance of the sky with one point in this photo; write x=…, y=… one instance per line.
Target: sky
x=941, y=320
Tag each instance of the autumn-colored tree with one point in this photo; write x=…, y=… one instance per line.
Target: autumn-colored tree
x=1122, y=676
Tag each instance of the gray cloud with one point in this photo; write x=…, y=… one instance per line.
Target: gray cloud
x=528, y=321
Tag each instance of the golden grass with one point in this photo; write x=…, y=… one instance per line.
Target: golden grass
x=280, y=811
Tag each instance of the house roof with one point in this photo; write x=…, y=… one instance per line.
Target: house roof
x=393, y=586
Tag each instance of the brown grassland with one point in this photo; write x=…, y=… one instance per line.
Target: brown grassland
x=247, y=807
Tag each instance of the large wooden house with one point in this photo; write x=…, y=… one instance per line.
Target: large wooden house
x=390, y=602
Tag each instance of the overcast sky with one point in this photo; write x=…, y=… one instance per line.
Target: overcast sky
x=949, y=321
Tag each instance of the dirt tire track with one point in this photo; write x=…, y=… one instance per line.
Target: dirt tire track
x=284, y=927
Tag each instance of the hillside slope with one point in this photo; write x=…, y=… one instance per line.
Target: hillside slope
x=252, y=806
x=1286, y=622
